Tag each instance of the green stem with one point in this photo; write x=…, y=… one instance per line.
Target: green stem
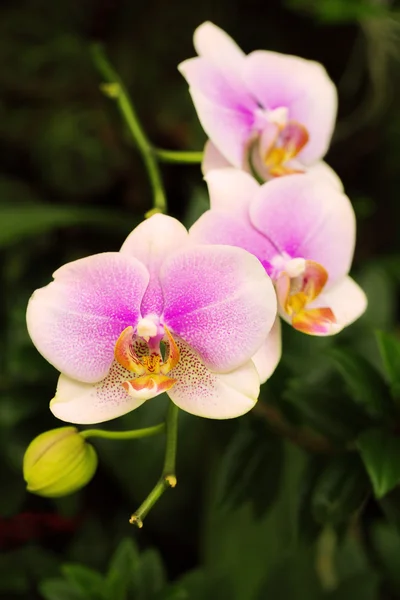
x=124, y=435
x=168, y=477
x=179, y=157
x=114, y=88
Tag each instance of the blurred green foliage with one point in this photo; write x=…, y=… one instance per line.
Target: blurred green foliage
x=300, y=499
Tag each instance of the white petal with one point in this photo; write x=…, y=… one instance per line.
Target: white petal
x=215, y=44
x=347, y=301
x=266, y=359
x=86, y=403
x=204, y=393
x=231, y=190
x=323, y=171
x=213, y=159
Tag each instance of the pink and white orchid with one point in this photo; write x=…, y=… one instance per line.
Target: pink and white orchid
x=303, y=231
x=161, y=315
x=268, y=113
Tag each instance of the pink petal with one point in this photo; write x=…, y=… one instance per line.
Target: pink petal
x=201, y=392
x=150, y=242
x=267, y=357
x=305, y=217
x=304, y=87
x=224, y=108
x=219, y=227
x=75, y=321
x=220, y=301
x=86, y=403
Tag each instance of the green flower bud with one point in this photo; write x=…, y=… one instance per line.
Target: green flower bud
x=58, y=462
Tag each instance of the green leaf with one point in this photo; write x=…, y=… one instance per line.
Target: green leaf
x=152, y=574
x=124, y=570
x=339, y=490
x=307, y=527
x=363, y=586
x=380, y=452
x=386, y=543
x=87, y=581
x=389, y=346
x=23, y=221
x=251, y=467
x=324, y=406
x=364, y=382
x=59, y=589
x=293, y=578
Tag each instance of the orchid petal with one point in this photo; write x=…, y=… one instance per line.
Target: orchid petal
x=225, y=110
x=323, y=171
x=85, y=403
x=220, y=301
x=214, y=43
x=303, y=86
x=231, y=190
x=305, y=217
x=219, y=227
x=346, y=299
x=204, y=393
x=149, y=242
x=75, y=321
x=267, y=357
x=213, y=159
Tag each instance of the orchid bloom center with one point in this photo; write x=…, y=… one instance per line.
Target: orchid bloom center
x=150, y=370
x=281, y=140
x=298, y=284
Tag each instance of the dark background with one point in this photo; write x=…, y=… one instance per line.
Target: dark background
x=73, y=184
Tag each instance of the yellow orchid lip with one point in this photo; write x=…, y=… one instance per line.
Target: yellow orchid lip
x=296, y=293
x=290, y=139
x=150, y=370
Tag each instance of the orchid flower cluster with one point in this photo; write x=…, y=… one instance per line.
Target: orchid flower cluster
x=196, y=314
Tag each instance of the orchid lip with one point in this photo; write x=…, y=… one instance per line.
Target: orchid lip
x=297, y=287
x=151, y=370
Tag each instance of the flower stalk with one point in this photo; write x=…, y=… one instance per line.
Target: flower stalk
x=114, y=88
x=133, y=434
x=168, y=477
x=178, y=157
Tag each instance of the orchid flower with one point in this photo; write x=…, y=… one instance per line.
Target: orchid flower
x=161, y=315
x=268, y=113
x=303, y=231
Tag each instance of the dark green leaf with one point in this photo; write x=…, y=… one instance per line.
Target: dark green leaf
x=124, y=570
x=389, y=346
x=293, y=578
x=152, y=574
x=380, y=451
x=26, y=220
x=89, y=582
x=339, y=490
x=324, y=406
x=307, y=527
x=364, y=382
x=251, y=467
x=386, y=542
x=59, y=589
x=363, y=586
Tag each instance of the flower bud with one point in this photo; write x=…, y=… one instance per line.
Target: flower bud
x=58, y=462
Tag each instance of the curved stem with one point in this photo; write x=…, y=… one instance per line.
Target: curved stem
x=178, y=156
x=124, y=435
x=168, y=477
x=115, y=89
